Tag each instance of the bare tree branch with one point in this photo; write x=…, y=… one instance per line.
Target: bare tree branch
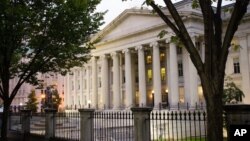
x=184, y=35
x=240, y=8
x=165, y=18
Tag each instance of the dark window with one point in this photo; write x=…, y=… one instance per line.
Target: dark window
x=180, y=69
x=236, y=65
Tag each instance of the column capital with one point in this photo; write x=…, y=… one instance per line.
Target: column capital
x=193, y=34
x=103, y=56
x=168, y=40
x=127, y=50
x=154, y=44
x=93, y=57
x=140, y=47
x=113, y=54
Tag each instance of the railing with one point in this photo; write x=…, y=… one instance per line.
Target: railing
x=113, y=125
x=15, y=122
x=163, y=125
x=68, y=126
x=178, y=125
x=37, y=124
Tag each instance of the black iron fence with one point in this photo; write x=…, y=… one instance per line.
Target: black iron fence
x=113, y=125
x=68, y=126
x=37, y=124
x=15, y=121
x=165, y=125
x=178, y=125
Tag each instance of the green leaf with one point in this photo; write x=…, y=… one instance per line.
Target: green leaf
x=162, y=34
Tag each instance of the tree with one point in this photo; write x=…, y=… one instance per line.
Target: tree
x=231, y=93
x=32, y=103
x=40, y=36
x=56, y=99
x=212, y=70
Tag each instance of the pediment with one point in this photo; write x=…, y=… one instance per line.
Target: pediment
x=128, y=23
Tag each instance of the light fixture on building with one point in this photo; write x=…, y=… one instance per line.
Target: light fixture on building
x=166, y=90
x=89, y=102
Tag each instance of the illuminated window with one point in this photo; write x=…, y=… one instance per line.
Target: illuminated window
x=149, y=75
x=162, y=56
x=236, y=65
x=149, y=59
x=78, y=81
x=163, y=74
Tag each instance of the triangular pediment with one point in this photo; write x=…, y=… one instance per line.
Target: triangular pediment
x=130, y=22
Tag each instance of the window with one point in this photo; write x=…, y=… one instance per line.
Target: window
x=180, y=69
x=162, y=56
x=179, y=50
x=124, y=79
x=149, y=59
x=163, y=74
x=149, y=74
x=72, y=85
x=78, y=82
x=236, y=65
x=99, y=69
x=85, y=84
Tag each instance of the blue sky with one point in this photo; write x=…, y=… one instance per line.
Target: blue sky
x=115, y=7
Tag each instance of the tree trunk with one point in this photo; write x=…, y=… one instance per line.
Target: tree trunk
x=5, y=119
x=214, y=117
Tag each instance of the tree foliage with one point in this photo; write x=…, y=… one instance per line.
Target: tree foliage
x=32, y=103
x=40, y=36
x=231, y=93
x=57, y=100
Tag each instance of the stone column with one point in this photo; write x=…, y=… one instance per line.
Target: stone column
x=142, y=123
x=25, y=116
x=81, y=87
x=104, y=82
x=128, y=79
x=244, y=68
x=50, y=123
x=88, y=96
x=142, y=76
x=116, y=81
x=156, y=75
x=86, y=124
x=190, y=79
x=67, y=90
x=94, y=84
x=75, y=94
x=173, y=81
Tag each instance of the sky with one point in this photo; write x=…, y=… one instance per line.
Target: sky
x=116, y=7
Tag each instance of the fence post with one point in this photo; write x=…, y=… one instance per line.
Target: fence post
x=86, y=124
x=50, y=123
x=25, y=116
x=142, y=123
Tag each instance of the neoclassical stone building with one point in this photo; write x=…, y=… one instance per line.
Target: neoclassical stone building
x=132, y=66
